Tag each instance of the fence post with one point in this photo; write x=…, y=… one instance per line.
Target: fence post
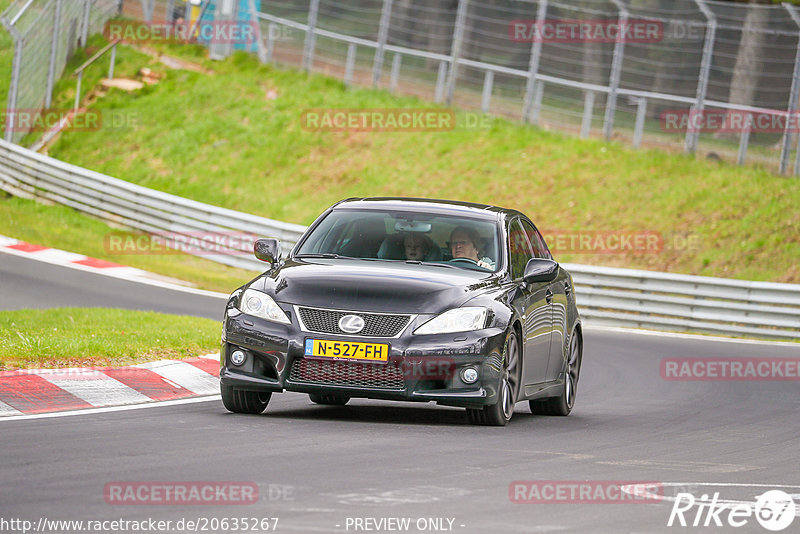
x=51, y=71
x=112, y=63
x=588, y=111
x=791, y=117
x=13, y=90
x=262, y=54
x=641, y=114
x=616, y=72
x=349, y=63
x=383, y=33
x=270, y=41
x=311, y=37
x=455, y=52
x=78, y=91
x=696, y=113
x=395, y=76
x=87, y=10
x=486, y=97
x=533, y=66
x=744, y=139
x=440, y=82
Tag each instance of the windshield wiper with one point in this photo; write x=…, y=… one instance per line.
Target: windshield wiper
x=325, y=255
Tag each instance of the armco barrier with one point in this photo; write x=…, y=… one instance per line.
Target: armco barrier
x=29, y=174
x=618, y=297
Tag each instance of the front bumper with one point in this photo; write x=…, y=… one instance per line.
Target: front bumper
x=420, y=368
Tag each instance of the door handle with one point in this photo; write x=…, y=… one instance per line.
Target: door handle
x=548, y=296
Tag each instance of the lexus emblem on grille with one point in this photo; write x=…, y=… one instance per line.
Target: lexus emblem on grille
x=352, y=324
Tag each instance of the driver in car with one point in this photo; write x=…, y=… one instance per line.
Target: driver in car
x=466, y=243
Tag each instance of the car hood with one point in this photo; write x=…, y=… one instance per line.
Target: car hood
x=374, y=285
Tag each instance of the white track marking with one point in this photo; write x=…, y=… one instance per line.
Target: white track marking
x=7, y=411
x=93, y=387
x=109, y=409
x=54, y=255
x=185, y=375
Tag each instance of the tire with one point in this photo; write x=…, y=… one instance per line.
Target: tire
x=238, y=401
x=499, y=413
x=328, y=399
x=563, y=404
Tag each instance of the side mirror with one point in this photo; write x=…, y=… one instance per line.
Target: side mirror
x=540, y=270
x=268, y=250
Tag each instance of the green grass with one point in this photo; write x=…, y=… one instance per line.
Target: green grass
x=220, y=139
x=72, y=337
x=64, y=228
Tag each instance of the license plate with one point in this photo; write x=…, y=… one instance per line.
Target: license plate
x=347, y=350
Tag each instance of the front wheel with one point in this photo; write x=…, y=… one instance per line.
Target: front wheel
x=499, y=413
x=238, y=401
x=562, y=405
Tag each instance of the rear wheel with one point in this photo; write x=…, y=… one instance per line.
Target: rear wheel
x=238, y=401
x=328, y=399
x=562, y=405
x=499, y=413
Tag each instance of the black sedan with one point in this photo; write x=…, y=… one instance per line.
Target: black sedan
x=407, y=299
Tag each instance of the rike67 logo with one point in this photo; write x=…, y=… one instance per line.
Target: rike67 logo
x=774, y=510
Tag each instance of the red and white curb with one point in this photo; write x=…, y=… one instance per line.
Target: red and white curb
x=72, y=260
x=36, y=391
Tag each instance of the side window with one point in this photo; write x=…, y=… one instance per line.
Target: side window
x=519, y=251
x=537, y=242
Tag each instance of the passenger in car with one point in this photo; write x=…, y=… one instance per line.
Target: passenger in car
x=465, y=242
x=417, y=246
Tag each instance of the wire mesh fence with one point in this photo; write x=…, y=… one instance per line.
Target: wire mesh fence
x=45, y=35
x=716, y=77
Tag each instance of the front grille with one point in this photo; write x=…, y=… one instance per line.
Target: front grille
x=340, y=373
x=375, y=324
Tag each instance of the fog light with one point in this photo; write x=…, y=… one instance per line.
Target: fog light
x=469, y=375
x=238, y=357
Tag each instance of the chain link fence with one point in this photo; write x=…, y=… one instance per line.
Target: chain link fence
x=45, y=35
x=695, y=75
x=721, y=78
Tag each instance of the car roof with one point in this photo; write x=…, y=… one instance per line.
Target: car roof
x=425, y=204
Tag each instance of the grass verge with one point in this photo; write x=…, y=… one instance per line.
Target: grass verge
x=72, y=337
x=235, y=138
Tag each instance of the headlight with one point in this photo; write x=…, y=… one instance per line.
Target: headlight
x=455, y=320
x=261, y=305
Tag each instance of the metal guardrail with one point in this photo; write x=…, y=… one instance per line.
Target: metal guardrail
x=29, y=174
x=611, y=296
x=654, y=300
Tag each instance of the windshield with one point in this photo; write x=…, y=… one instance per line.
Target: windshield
x=409, y=237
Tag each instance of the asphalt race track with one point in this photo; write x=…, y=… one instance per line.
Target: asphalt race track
x=331, y=469
x=28, y=283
